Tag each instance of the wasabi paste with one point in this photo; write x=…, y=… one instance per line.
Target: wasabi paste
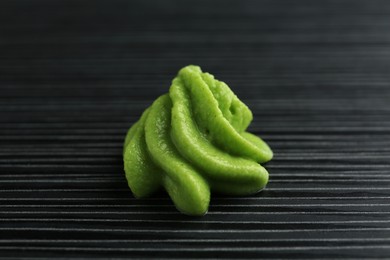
x=193, y=140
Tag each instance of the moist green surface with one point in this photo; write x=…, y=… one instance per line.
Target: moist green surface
x=194, y=140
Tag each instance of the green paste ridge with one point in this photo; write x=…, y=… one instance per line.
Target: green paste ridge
x=193, y=140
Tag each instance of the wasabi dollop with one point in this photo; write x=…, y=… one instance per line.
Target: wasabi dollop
x=193, y=140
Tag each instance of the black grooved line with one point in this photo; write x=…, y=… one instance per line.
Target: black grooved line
x=75, y=75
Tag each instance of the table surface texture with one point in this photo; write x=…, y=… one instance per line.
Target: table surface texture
x=75, y=75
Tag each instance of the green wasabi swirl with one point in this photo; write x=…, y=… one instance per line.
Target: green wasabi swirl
x=193, y=140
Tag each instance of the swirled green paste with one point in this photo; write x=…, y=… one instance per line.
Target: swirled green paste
x=193, y=140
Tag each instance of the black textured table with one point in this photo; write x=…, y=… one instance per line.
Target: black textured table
x=74, y=75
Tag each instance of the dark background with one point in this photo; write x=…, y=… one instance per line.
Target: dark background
x=74, y=76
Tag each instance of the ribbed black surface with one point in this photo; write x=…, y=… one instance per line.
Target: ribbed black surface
x=74, y=75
